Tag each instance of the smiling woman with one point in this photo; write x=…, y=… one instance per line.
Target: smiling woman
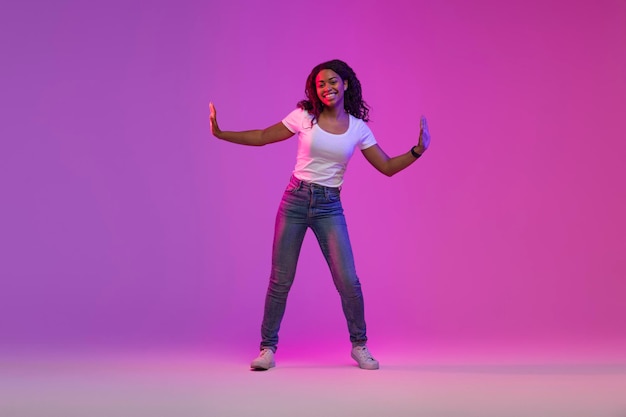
x=329, y=87
x=330, y=125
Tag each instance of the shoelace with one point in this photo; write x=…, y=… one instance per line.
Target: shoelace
x=365, y=354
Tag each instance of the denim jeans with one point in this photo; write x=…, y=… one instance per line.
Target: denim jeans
x=308, y=205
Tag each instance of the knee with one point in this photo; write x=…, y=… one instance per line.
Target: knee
x=349, y=287
x=279, y=285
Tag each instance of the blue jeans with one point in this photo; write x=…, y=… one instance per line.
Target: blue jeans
x=311, y=205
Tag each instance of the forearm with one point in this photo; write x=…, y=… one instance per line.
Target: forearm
x=398, y=163
x=247, y=137
x=274, y=133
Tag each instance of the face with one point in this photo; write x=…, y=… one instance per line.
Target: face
x=330, y=88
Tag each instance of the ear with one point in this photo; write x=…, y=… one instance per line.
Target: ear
x=345, y=85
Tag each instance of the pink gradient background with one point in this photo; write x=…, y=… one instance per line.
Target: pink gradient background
x=125, y=224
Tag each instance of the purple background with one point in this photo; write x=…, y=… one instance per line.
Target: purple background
x=125, y=224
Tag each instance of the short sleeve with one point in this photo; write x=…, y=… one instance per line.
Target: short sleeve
x=294, y=121
x=367, y=137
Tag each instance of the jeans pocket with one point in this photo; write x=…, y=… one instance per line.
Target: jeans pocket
x=292, y=188
x=333, y=197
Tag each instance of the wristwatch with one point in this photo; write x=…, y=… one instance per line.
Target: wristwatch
x=415, y=154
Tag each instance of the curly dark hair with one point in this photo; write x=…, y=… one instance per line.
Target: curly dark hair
x=353, y=100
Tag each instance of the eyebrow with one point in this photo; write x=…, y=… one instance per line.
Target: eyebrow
x=330, y=79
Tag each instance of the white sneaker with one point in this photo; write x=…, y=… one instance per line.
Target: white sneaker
x=264, y=361
x=364, y=358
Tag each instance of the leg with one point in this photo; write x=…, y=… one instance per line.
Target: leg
x=332, y=235
x=288, y=236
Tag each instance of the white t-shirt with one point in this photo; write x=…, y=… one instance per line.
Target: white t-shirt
x=322, y=156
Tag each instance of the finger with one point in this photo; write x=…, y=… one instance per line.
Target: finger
x=212, y=109
x=421, y=137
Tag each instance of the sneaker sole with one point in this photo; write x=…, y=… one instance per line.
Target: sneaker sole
x=368, y=367
x=262, y=367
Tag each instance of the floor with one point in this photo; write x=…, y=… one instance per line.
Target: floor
x=220, y=384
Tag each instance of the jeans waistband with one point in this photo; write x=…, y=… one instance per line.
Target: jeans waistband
x=300, y=183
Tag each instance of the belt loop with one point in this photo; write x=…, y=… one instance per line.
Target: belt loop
x=297, y=184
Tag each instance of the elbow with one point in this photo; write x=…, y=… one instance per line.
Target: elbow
x=388, y=171
x=385, y=171
x=262, y=140
x=257, y=142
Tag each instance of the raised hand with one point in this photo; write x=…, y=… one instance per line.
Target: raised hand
x=215, y=129
x=424, y=139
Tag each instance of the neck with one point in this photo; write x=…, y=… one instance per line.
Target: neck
x=337, y=112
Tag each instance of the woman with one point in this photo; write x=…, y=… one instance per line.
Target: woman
x=330, y=124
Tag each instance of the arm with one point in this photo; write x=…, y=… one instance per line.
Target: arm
x=390, y=166
x=386, y=165
x=274, y=133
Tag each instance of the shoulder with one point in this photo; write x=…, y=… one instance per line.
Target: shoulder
x=299, y=113
x=362, y=132
x=359, y=125
x=298, y=119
